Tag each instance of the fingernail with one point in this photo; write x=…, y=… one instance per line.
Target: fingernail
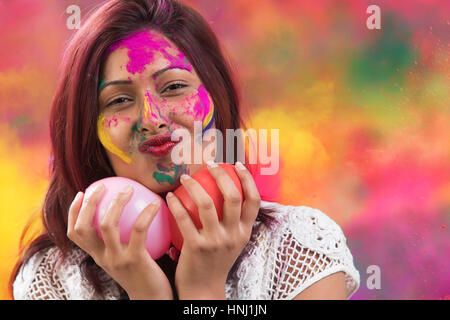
x=184, y=177
x=100, y=187
x=128, y=189
x=240, y=166
x=155, y=202
x=78, y=195
x=170, y=195
x=97, y=189
x=212, y=164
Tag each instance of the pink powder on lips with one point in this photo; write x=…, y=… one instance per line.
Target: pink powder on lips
x=143, y=45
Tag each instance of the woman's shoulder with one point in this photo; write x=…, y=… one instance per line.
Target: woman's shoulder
x=50, y=275
x=309, y=226
x=300, y=246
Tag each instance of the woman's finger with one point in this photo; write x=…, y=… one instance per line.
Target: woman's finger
x=83, y=228
x=73, y=214
x=109, y=226
x=231, y=195
x=184, y=221
x=252, y=198
x=206, y=209
x=140, y=230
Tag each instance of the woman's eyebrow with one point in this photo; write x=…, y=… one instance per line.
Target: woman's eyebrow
x=103, y=84
x=160, y=72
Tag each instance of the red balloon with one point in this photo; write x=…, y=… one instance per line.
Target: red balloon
x=207, y=181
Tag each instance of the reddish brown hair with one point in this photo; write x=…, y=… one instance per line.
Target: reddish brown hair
x=79, y=158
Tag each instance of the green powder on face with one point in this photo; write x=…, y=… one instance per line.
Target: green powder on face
x=101, y=85
x=136, y=128
x=162, y=177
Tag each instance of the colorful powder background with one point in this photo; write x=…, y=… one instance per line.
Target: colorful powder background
x=364, y=118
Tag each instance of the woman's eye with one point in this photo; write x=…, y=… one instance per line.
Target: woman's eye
x=174, y=86
x=118, y=101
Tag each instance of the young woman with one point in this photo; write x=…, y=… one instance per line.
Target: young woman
x=136, y=71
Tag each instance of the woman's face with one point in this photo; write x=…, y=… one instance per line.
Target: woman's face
x=149, y=89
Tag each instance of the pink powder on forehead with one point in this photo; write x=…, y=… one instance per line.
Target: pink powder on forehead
x=142, y=46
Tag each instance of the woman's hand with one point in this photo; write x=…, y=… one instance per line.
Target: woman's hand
x=209, y=253
x=127, y=263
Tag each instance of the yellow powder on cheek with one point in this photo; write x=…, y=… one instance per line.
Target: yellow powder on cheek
x=105, y=139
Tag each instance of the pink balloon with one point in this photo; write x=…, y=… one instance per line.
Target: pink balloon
x=158, y=236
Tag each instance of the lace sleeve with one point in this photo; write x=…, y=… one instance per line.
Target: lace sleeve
x=47, y=277
x=34, y=281
x=310, y=247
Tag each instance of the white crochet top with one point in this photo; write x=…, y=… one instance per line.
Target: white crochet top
x=279, y=262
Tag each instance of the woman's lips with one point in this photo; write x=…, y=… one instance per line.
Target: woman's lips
x=158, y=146
x=162, y=150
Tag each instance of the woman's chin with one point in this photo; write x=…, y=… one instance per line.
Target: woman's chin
x=165, y=188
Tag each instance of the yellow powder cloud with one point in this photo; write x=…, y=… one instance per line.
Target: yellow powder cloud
x=22, y=191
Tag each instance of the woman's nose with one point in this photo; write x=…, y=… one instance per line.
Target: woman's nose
x=153, y=119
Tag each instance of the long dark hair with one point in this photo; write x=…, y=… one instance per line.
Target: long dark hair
x=79, y=159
